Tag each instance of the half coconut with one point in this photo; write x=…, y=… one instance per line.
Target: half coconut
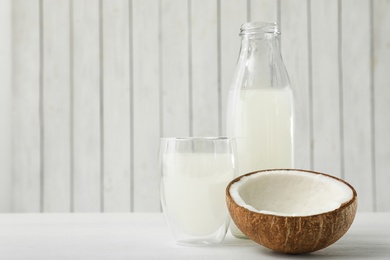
x=291, y=211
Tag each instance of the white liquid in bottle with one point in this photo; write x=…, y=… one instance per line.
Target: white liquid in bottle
x=261, y=122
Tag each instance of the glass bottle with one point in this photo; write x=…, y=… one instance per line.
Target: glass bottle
x=260, y=106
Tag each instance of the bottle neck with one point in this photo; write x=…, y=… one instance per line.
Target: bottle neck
x=260, y=63
x=264, y=46
x=261, y=40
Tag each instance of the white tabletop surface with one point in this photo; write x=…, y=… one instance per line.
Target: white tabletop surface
x=146, y=236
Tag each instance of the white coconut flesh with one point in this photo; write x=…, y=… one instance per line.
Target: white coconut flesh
x=290, y=193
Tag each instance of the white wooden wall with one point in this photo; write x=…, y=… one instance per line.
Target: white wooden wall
x=5, y=106
x=95, y=83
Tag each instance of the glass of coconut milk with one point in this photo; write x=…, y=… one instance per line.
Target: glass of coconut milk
x=194, y=175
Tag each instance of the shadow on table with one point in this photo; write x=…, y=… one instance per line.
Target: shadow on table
x=353, y=247
x=231, y=241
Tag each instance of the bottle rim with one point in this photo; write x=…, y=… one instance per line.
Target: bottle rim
x=196, y=138
x=257, y=28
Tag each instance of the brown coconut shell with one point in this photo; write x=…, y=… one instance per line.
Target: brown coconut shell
x=293, y=234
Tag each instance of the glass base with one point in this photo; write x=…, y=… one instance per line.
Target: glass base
x=214, y=237
x=198, y=242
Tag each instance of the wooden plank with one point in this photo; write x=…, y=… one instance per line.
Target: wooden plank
x=146, y=102
x=381, y=79
x=204, y=68
x=56, y=106
x=26, y=122
x=356, y=90
x=174, y=68
x=295, y=52
x=325, y=87
x=233, y=13
x=263, y=10
x=5, y=106
x=116, y=104
x=86, y=131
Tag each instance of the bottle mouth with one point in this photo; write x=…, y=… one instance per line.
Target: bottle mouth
x=259, y=28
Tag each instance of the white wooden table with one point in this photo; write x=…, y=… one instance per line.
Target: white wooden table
x=146, y=236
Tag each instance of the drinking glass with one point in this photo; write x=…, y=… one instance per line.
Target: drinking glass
x=194, y=175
